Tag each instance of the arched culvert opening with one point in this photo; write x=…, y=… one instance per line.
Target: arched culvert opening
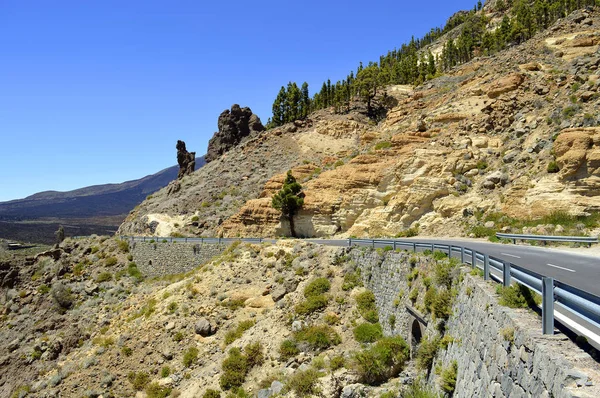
x=415, y=337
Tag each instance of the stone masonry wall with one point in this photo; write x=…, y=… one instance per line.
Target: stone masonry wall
x=489, y=365
x=160, y=259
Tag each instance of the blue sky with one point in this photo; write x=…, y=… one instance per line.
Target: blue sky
x=93, y=92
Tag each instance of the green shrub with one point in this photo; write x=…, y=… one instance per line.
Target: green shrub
x=426, y=352
x=235, y=367
x=317, y=287
x=381, y=361
x=178, y=337
x=439, y=255
x=254, y=353
x=123, y=246
x=95, y=249
x=365, y=302
x=392, y=320
x=104, y=277
x=383, y=145
x=413, y=295
x=448, y=379
x=553, y=167
x=110, y=261
x=337, y=362
x=165, y=371
x=368, y=332
x=43, y=289
x=134, y=272
x=417, y=391
x=443, y=273
x=312, y=304
x=138, y=380
x=239, y=330
x=155, y=390
x=190, y=356
x=288, y=349
x=172, y=307
x=127, y=351
x=210, y=393
x=517, y=296
x=318, y=337
x=304, y=383
x=331, y=319
x=352, y=280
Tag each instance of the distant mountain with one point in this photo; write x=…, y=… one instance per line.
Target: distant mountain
x=89, y=202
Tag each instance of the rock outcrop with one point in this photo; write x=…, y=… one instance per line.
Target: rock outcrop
x=185, y=159
x=234, y=125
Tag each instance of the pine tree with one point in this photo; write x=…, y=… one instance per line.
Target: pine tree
x=289, y=200
x=304, y=101
x=367, y=84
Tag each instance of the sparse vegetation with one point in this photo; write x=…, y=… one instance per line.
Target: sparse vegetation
x=190, y=356
x=304, y=383
x=365, y=302
x=352, y=280
x=383, y=360
x=238, y=331
x=448, y=378
x=288, y=349
x=138, y=380
x=517, y=296
x=318, y=337
x=368, y=332
x=426, y=352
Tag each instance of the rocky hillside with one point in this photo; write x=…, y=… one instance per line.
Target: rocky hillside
x=293, y=318
x=506, y=141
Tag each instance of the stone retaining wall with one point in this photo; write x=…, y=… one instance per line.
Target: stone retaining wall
x=160, y=259
x=500, y=352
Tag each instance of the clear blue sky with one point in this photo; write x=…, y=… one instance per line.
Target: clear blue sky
x=99, y=91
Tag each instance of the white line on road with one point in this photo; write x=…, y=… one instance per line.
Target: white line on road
x=556, y=266
x=510, y=255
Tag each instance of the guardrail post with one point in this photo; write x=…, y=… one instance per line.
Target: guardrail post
x=373, y=240
x=473, y=258
x=414, y=247
x=505, y=273
x=349, y=242
x=547, y=305
x=462, y=255
x=219, y=241
x=486, y=267
x=394, y=245
x=144, y=238
x=432, y=248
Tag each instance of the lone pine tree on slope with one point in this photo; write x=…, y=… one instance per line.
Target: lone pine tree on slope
x=289, y=200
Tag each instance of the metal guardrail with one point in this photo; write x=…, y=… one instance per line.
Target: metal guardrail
x=548, y=238
x=159, y=239
x=581, y=304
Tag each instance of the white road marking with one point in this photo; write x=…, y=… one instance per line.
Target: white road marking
x=556, y=266
x=510, y=255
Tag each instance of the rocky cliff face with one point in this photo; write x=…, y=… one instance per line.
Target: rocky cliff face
x=512, y=136
x=234, y=125
x=185, y=159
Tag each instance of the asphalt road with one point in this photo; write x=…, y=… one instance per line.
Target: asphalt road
x=578, y=270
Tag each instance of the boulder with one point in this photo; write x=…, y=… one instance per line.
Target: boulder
x=505, y=85
x=203, y=327
x=234, y=125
